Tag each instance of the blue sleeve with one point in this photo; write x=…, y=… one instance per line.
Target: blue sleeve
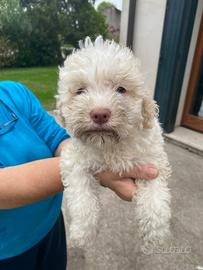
x=43, y=123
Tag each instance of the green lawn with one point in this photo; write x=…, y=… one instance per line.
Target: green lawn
x=42, y=81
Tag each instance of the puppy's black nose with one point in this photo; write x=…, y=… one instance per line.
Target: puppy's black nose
x=100, y=115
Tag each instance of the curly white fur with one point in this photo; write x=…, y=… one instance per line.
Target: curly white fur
x=131, y=136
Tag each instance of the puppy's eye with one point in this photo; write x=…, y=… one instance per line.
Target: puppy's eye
x=80, y=91
x=121, y=90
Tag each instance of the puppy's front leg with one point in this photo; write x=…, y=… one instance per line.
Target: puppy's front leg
x=153, y=210
x=83, y=205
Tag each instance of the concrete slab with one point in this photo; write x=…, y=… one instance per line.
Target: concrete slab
x=117, y=246
x=187, y=138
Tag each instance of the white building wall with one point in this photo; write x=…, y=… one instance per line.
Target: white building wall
x=124, y=22
x=148, y=28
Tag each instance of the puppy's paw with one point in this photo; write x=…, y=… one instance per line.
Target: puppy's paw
x=157, y=242
x=155, y=236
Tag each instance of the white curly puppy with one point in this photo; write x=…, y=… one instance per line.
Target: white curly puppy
x=113, y=124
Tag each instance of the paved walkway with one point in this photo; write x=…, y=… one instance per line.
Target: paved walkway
x=117, y=246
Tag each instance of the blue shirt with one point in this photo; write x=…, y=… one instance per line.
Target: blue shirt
x=33, y=135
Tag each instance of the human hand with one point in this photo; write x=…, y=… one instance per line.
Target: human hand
x=124, y=186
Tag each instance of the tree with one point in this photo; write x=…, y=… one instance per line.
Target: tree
x=38, y=28
x=14, y=25
x=78, y=19
x=44, y=45
x=32, y=27
x=8, y=52
x=13, y=20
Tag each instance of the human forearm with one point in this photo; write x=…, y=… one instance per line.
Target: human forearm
x=30, y=182
x=37, y=180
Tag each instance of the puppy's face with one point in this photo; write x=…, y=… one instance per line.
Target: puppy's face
x=101, y=96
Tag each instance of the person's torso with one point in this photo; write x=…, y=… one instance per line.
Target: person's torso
x=22, y=227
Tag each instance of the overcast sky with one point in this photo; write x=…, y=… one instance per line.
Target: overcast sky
x=117, y=3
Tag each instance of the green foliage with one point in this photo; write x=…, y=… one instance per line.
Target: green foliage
x=79, y=19
x=42, y=43
x=39, y=28
x=14, y=27
x=13, y=19
x=8, y=52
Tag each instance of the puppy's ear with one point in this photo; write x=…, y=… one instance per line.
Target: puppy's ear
x=150, y=110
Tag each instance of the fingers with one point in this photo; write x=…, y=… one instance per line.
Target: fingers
x=125, y=188
x=124, y=185
x=147, y=171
